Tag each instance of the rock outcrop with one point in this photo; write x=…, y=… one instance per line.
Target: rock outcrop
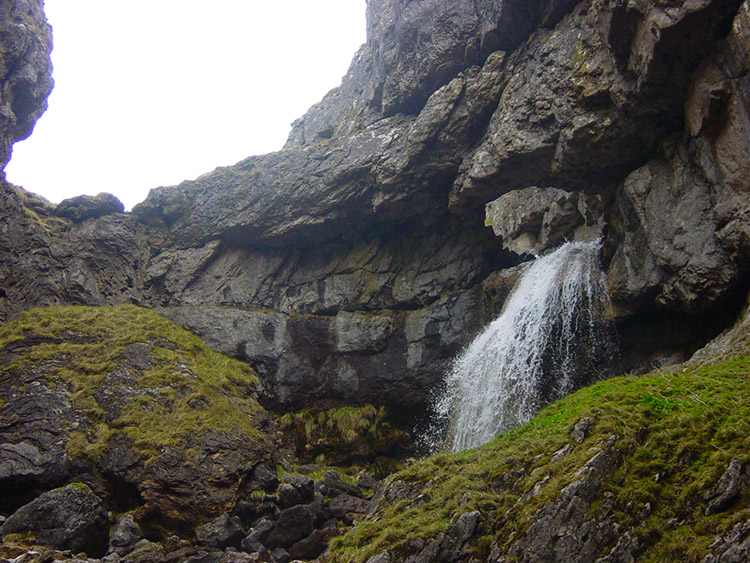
x=352, y=265
x=71, y=517
x=125, y=402
x=83, y=207
x=25, y=70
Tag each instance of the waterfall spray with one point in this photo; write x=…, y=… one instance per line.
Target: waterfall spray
x=551, y=337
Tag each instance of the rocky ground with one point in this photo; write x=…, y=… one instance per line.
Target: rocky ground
x=114, y=420
x=648, y=468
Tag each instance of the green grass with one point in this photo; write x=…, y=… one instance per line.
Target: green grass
x=683, y=427
x=341, y=436
x=189, y=390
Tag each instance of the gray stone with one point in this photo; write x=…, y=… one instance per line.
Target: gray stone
x=367, y=481
x=265, y=478
x=626, y=550
x=313, y=545
x=288, y=496
x=346, y=508
x=255, y=547
x=533, y=220
x=293, y=524
x=732, y=547
x=382, y=557
x=71, y=517
x=259, y=532
x=83, y=207
x=302, y=483
x=731, y=484
x=563, y=530
x=222, y=532
x=124, y=535
x=677, y=257
x=461, y=531
x=281, y=555
x=578, y=434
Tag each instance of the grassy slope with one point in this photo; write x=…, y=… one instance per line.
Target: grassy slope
x=678, y=432
x=83, y=344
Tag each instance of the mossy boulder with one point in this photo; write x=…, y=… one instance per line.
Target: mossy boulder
x=653, y=468
x=139, y=409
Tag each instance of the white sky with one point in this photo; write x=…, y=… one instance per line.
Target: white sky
x=152, y=92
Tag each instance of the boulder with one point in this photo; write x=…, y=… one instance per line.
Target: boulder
x=83, y=207
x=294, y=524
x=304, y=485
x=288, y=496
x=124, y=535
x=346, y=508
x=729, y=487
x=222, y=532
x=71, y=517
x=146, y=551
x=313, y=545
x=258, y=533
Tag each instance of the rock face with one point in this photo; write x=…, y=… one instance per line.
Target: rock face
x=83, y=207
x=689, y=257
x=352, y=265
x=25, y=70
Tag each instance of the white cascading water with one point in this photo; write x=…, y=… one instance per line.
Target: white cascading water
x=551, y=337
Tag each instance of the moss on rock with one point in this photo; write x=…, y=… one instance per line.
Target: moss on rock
x=341, y=436
x=676, y=434
x=185, y=387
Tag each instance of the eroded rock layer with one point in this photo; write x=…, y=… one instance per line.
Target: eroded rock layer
x=353, y=264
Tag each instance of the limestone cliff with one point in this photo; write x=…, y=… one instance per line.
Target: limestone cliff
x=25, y=70
x=351, y=265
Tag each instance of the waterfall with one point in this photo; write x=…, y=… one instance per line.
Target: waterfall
x=551, y=337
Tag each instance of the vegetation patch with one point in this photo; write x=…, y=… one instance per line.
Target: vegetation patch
x=341, y=436
x=176, y=387
x=677, y=433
